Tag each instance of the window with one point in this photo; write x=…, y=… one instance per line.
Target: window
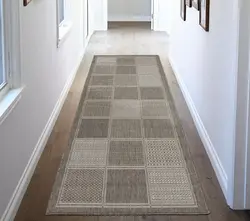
x=10, y=76
x=3, y=51
x=61, y=11
x=63, y=24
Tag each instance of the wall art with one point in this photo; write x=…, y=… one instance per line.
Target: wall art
x=204, y=14
x=196, y=4
x=26, y=2
x=189, y=3
x=183, y=9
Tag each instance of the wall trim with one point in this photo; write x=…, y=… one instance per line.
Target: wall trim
x=209, y=147
x=129, y=18
x=87, y=39
x=24, y=181
x=239, y=186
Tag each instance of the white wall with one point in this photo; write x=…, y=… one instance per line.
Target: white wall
x=129, y=10
x=168, y=10
x=45, y=71
x=206, y=65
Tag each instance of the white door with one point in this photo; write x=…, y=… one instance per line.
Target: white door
x=248, y=146
x=86, y=19
x=91, y=15
x=154, y=14
x=161, y=11
x=238, y=194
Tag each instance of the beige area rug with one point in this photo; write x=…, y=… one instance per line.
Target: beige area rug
x=127, y=154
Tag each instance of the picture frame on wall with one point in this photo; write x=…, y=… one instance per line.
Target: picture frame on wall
x=189, y=3
x=204, y=14
x=196, y=4
x=183, y=10
x=26, y=2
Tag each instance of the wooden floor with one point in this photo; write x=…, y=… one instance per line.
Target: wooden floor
x=35, y=201
x=124, y=25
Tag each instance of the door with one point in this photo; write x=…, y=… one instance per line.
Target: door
x=86, y=19
x=91, y=6
x=238, y=194
x=161, y=12
x=248, y=144
x=154, y=14
x=87, y=14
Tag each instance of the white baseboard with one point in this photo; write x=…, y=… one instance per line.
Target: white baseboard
x=129, y=18
x=23, y=183
x=88, y=39
x=210, y=149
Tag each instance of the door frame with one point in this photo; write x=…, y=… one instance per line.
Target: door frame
x=238, y=196
x=154, y=14
x=86, y=19
x=87, y=15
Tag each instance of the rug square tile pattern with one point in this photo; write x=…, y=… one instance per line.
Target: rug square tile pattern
x=100, y=93
x=104, y=69
x=152, y=93
x=170, y=186
x=158, y=128
x=126, y=186
x=155, y=109
x=126, y=128
x=102, y=80
x=93, y=128
x=125, y=80
x=149, y=70
x=82, y=186
x=88, y=153
x=149, y=81
x=96, y=108
x=164, y=153
x=126, y=70
x=126, y=93
x=148, y=61
x=106, y=60
x=126, y=109
x=125, y=61
x=128, y=154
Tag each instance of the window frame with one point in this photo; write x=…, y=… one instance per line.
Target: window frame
x=10, y=94
x=60, y=23
x=5, y=7
x=63, y=27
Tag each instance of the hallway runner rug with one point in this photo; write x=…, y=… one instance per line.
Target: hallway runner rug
x=127, y=153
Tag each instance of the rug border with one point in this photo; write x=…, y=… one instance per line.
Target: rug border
x=202, y=208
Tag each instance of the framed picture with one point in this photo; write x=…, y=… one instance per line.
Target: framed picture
x=183, y=10
x=204, y=14
x=189, y=3
x=26, y=2
x=196, y=4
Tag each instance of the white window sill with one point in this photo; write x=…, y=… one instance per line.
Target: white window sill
x=64, y=30
x=8, y=102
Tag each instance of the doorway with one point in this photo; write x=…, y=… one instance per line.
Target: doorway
x=130, y=14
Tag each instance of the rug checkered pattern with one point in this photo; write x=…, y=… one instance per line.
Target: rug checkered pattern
x=128, y=154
